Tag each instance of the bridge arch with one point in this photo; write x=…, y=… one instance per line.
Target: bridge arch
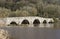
x=44, y=21
x=13, y=23
x=36, y=21
x=25, y=21
x=50, y=21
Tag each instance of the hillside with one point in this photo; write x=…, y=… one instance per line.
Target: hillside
x=42, y=8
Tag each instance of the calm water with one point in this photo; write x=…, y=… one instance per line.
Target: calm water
x=42, y=31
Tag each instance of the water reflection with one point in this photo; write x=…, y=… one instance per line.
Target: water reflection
x=39, y=25
x=32, y=33
x=45, y=25
x=40, y=31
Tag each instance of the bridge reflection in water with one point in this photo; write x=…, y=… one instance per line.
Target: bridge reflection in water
x=34, y=25
x=41, y=31
x=18, y=32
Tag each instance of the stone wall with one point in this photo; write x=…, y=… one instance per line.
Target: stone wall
x=19, y=20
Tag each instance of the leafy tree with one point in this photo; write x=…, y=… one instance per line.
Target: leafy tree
x=32, y=11
x=4, y=12
x=52, y=10
x=12, y=14
x=40, y=8
x=21, y=13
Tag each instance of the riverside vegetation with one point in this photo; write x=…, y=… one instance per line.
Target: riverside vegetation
x=41, y=8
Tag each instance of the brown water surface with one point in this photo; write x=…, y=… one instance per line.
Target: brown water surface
x=41, y=31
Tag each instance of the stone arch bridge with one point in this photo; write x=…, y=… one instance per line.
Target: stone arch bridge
x=25, y=20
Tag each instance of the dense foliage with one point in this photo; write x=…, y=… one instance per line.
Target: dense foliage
x=42, y=8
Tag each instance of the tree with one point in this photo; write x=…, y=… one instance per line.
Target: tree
x=40, y=8
x=32, y=11
x=12, y=14
x=21, y=13
x=4, y=12
x=52, y=10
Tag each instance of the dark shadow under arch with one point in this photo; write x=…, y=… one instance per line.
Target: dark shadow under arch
x=44, y=21
x=13, y=23
x=50, y=22
x=25, y=22
x=36, y=21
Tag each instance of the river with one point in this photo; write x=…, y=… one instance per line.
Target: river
x=42, y=31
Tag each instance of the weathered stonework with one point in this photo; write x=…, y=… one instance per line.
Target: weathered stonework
x=19, y=20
